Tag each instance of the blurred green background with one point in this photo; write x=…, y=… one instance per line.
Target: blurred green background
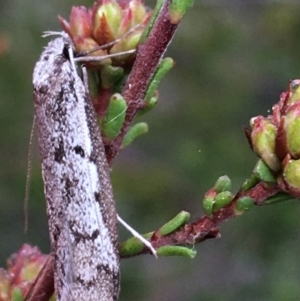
x=232, y=61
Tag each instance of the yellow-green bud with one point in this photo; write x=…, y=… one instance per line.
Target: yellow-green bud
x=263, y=137
x=221, y=200
x=291, y=173
x=243, y=204
x=292, y=129
x=222, y=184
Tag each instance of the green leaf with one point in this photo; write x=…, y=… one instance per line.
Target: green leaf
x=114, y=116
x=16, y=294
x=221, y=200
x=243, y=204
x=178, y=221
x=279, y=198
x=176, y=251
x=250, y=182
x=207, y=204
x=135, y=131
x=133, y=246
x=222, y=184
x=163, y=67
x=152, y=21
x=263, y=172
x=178, y=9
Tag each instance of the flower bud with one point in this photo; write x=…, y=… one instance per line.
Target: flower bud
x=243, y=204
x=85, y=45
x=107, y=18
x=208, y=202
x=23, y=268
x=80, y=22
x=263, y=141
x=139, y=12
x=126, y=23
x=4, y=285
x=291, y=173
x=263, y=173
x=291, y=125
x=127, y=43
x=294, y=91
x=115, y=25
x=222, y=184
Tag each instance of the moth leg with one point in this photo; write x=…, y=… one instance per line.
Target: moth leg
x=85, y=78
x=137, y=235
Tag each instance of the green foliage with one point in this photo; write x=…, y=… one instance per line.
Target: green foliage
x=243, y=204
x=232, y=62
x=16, y=295
x=178, y=221
x=135, y=131
x=114, y=116
x=176, y=251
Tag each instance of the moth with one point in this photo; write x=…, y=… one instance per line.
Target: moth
x=81, y=210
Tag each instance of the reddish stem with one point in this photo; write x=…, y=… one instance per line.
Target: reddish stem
x=207, y=227
x=148, y=57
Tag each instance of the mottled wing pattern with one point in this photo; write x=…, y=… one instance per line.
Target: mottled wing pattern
x=80, y=204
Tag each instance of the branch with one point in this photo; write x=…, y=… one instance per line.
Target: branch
x=203, y=228
x=148, y=57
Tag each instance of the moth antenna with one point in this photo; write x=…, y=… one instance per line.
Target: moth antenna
x=54, y=33
x=113, y=42
x=101, y=58
x=28, y=177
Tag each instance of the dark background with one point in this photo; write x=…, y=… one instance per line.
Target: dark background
x=232, y=61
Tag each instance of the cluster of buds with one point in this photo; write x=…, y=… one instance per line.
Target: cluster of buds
x=276, y=140
x=218, y=197
x=108, y=31
x=108, y=28
x=22, y=269
x=118, y=24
